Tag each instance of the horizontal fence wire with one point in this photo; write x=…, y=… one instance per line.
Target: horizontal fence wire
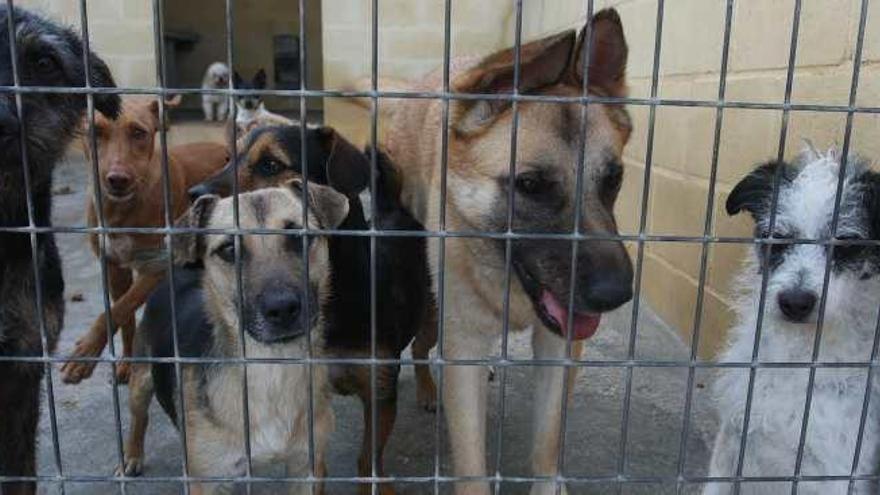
x=568, y=363
x=453, y=96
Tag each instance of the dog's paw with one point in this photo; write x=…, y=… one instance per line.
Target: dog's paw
x=133, y=466
x=426, y=394
x=123, y=373
x=77, y=371
x=427, y=401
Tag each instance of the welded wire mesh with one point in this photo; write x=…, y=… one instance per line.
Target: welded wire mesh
x=438, y=480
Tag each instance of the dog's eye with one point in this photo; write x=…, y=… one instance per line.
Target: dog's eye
x=46, y=64
x=847, y=251
x=531, y=183
x=612, y=181
x=269, y=167
x=226, y=252
x=138, y=134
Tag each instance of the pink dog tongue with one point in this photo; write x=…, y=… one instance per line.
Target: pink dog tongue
x=584, y=324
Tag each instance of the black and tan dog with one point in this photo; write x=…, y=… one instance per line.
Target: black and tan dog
x=405, y=310
x=47, y=55
x=553, y=141
x=275, y=303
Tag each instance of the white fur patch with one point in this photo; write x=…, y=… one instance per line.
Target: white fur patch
x=805, y=211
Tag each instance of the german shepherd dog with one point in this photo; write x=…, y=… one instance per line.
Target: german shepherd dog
x=270, y=156
x=549, y=152
x=47, y=55
x=274, y=326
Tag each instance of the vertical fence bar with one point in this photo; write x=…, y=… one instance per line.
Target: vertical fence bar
x=508, y=247
x=783, y=134
x=866, y=401
x=640, y=257
x=576, y=229
x=161, y=80
x=31, y=212
x=875, y=347
x=239, y=282
x=109, y=325
x=704, y=253
x=374, y=139
x=835, y=221
x=303, y=114
x=441, y=251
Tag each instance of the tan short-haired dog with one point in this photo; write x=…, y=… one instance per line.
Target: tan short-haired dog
x=553, y=140
x=280, y=314
x=132, y=195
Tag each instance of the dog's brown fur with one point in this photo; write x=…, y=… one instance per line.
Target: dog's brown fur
x=278, y=394
x=135, y=262
x=549, y=137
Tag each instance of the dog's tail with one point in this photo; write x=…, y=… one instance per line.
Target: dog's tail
x=384, y=84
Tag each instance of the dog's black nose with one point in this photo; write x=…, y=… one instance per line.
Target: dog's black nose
x=605, y=292
x=197, y=192
x=280, y=307
x=796, y=304
x=603, y=297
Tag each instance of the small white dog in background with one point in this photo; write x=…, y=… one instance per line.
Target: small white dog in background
x=805, y=207
x=215, y=106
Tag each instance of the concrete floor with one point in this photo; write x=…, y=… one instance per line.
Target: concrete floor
x=89, y=438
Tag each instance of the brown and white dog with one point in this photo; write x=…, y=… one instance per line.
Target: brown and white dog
x=131, y=189
x=549, y=150
x=282, y=313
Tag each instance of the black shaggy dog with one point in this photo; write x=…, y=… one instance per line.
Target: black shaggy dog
x=47, y=55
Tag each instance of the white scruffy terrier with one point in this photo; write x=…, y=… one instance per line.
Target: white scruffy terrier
x=215, y=106
x=804, y=211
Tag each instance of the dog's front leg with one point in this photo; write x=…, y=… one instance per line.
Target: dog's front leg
x=548, y=407
x=208, y=108
x=223, y=109
x=140, y=395
x=93, y=342
x=464, y=402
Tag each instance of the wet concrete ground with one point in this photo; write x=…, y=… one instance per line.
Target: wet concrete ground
x=89, y=438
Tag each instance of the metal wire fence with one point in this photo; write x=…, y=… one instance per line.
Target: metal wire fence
x=438, y=480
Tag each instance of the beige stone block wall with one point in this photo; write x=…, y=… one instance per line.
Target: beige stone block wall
x=121, y=32
x=682, y=152
x=411, y=40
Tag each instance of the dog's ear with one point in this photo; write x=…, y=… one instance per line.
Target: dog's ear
x=190, y=247
x=607, y=57
x=100, y=77
x=542, y=63
x=260, y=79
x=754, y=192
x=329, y=206
x=347, y=169
x=174, y=101
x=236, y=79
x=154, y=111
